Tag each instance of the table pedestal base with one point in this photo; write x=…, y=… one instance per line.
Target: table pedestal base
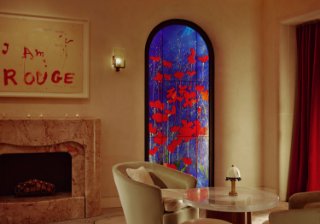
x=233, y=217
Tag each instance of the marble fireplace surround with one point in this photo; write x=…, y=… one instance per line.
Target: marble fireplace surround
x=81, y=139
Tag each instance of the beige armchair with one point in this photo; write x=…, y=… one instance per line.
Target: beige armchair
x=143, y=203
x=304, y=208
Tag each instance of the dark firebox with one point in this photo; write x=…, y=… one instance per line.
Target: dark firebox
x=41, y=173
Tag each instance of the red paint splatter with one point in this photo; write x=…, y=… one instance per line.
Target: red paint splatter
x=154, y=150
x=171, y=91
x=174, y=128
x=159, y=117
x=191, y=73
x=155, y=58
x=187, y=161
x=199, y=88
x=167, y=64
x=160, y=139
x=156, y=104
x=172, y=96
x=172, y=166
x=190, y=99
x=167, y=76
x=186, y=129
x=198, y=129
x=182, y=89
x=172, y=111
x=186, y=133
x=158, y=77
x=178, y=75
x=174, y=144
x=152, y=129
x=203, y=59
x=191, y=57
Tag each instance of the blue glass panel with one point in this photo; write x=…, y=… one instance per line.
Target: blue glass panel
x=178, y=101
x=203, y=162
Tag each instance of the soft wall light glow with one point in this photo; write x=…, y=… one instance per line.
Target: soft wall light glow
x=118, y=59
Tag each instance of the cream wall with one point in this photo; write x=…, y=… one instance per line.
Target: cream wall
x=241, y=103
x=279, y=72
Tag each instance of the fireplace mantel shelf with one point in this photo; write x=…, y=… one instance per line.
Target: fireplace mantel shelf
x=37, y=132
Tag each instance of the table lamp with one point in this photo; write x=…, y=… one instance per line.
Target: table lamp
x=233, y=175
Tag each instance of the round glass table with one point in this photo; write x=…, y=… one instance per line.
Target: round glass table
x=235, y=209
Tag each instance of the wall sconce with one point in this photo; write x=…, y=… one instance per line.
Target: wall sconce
x=118, y=59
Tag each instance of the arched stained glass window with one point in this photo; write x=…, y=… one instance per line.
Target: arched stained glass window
x=179, y=99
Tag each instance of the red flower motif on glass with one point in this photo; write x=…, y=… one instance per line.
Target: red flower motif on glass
x=187, y=161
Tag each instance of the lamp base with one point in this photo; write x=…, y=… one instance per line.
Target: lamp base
x=233, y=191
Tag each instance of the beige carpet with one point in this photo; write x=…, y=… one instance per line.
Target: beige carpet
x=112, y=220
x=115, y=216
x=256, y=219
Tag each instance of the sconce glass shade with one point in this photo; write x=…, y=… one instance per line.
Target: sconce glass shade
x=118, y=59
x=233, y=173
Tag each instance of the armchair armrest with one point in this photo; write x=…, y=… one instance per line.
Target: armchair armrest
x=173, y=178
x=295, y=216
x=301, y=199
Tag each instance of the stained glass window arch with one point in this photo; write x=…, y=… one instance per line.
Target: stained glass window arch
x=179, y=77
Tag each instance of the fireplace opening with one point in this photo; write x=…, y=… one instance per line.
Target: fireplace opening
x=54, y=168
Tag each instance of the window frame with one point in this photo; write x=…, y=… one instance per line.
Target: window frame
x=211, y=87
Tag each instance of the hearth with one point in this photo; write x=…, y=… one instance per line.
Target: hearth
x=59, y=151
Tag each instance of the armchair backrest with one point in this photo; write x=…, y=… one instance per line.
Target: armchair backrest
x=295, y=216
x=304, y=207
x=302, y=199
x=142, y=203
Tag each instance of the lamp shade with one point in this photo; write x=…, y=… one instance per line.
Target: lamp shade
x=118, y=58
x=233, y=173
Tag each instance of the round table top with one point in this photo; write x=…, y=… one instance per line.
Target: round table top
x=218, y=199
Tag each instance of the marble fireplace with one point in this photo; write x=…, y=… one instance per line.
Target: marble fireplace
x=41, y=141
